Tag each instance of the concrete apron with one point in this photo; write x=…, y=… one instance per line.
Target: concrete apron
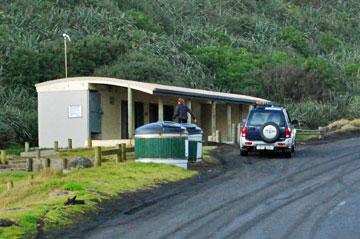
x=177, y=162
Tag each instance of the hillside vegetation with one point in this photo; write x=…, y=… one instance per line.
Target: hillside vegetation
x=304, y=54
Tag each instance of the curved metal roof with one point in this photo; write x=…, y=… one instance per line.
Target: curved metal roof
x=79, y=83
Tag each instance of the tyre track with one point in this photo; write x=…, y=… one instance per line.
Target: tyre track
x=274, y=184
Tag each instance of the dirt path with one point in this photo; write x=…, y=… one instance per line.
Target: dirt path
x=313, y=195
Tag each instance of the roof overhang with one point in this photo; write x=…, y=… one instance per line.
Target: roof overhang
x=83, y=83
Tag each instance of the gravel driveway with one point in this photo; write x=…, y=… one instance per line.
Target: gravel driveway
x=315, y=194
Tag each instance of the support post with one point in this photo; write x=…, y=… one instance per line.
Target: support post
x=119, y=154
x=233, y=133
x=188, y=103
x=69, y=144
x=29, y=164
x=130, y=113
x=217, y=136
x=213, y=120
x=3, y=157
x=238, y=133
x=228, y=118
x=97, y=156
x=123, y=152
x=56, y=146
x=146, y=113
x=27, y=147
x=161, y=109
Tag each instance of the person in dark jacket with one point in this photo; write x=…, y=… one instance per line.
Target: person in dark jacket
x=181, y=112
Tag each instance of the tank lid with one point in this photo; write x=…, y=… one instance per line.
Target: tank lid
x=161, y=127
x=192, y=128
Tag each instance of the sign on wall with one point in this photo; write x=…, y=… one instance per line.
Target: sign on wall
x=75, y=111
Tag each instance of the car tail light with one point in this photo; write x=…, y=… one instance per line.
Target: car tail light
x=281, y=144
x=287, y=132
x=248, y=143
x=243, y=132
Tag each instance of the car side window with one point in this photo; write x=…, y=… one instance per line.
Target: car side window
x=287, y=116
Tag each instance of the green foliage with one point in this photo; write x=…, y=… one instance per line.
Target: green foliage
x=328, y=42
x=141, y=66
x=73, y=186
x=296, y=39
x=234, y=46
x=231, y=67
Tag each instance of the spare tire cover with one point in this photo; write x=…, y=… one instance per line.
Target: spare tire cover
x=270, y=132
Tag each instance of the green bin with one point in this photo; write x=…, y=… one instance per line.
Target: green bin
x=195, y=142
x=162, y=142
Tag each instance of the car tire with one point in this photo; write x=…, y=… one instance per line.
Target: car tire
x=244, y=152
x=265, y=137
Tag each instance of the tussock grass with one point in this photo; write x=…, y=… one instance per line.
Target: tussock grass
x=338, y=124
x=344, y=126
x=42, y=198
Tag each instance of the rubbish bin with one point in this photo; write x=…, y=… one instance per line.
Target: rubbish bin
x=195, y=142
x=162, y=142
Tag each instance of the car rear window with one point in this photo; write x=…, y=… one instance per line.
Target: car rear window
x=258, y=118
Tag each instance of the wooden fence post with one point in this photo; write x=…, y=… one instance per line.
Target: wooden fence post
x=29, y=164
x=27, y=147
x=321, y=132
x=38, y=154
x=47, y=163
x=97, y=156
x=3, y=157
x=30, y=179
x=118, y=155
x=65, y=163
x=56, y=146
x=89, y=143
x=69, y=144
x=123, y=152
x=10, y=185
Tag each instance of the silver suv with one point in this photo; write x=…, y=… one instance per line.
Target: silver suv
x=268, y=129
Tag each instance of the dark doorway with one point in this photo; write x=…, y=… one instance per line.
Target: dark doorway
x=139, y=117
x=139, y=114
x=153, y=113
x=95, y=112
x=168, y=112
x=124, y=119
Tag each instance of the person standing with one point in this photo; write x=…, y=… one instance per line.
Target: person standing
x=182, y=111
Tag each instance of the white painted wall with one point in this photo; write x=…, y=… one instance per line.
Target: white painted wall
x=54, y=122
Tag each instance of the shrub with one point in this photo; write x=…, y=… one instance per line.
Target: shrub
x=328, y=41
x=296, y=39
x=288, y=82
x=312, y=114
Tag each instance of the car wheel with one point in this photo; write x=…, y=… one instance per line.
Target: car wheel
x=244, y=152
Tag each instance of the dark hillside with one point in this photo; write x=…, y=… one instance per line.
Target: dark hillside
x=305, y=53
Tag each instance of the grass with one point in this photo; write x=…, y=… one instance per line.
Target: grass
x=15, y=150
x=42, y=199
x=88, y=153
x=207, y=157
x=301, y=138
